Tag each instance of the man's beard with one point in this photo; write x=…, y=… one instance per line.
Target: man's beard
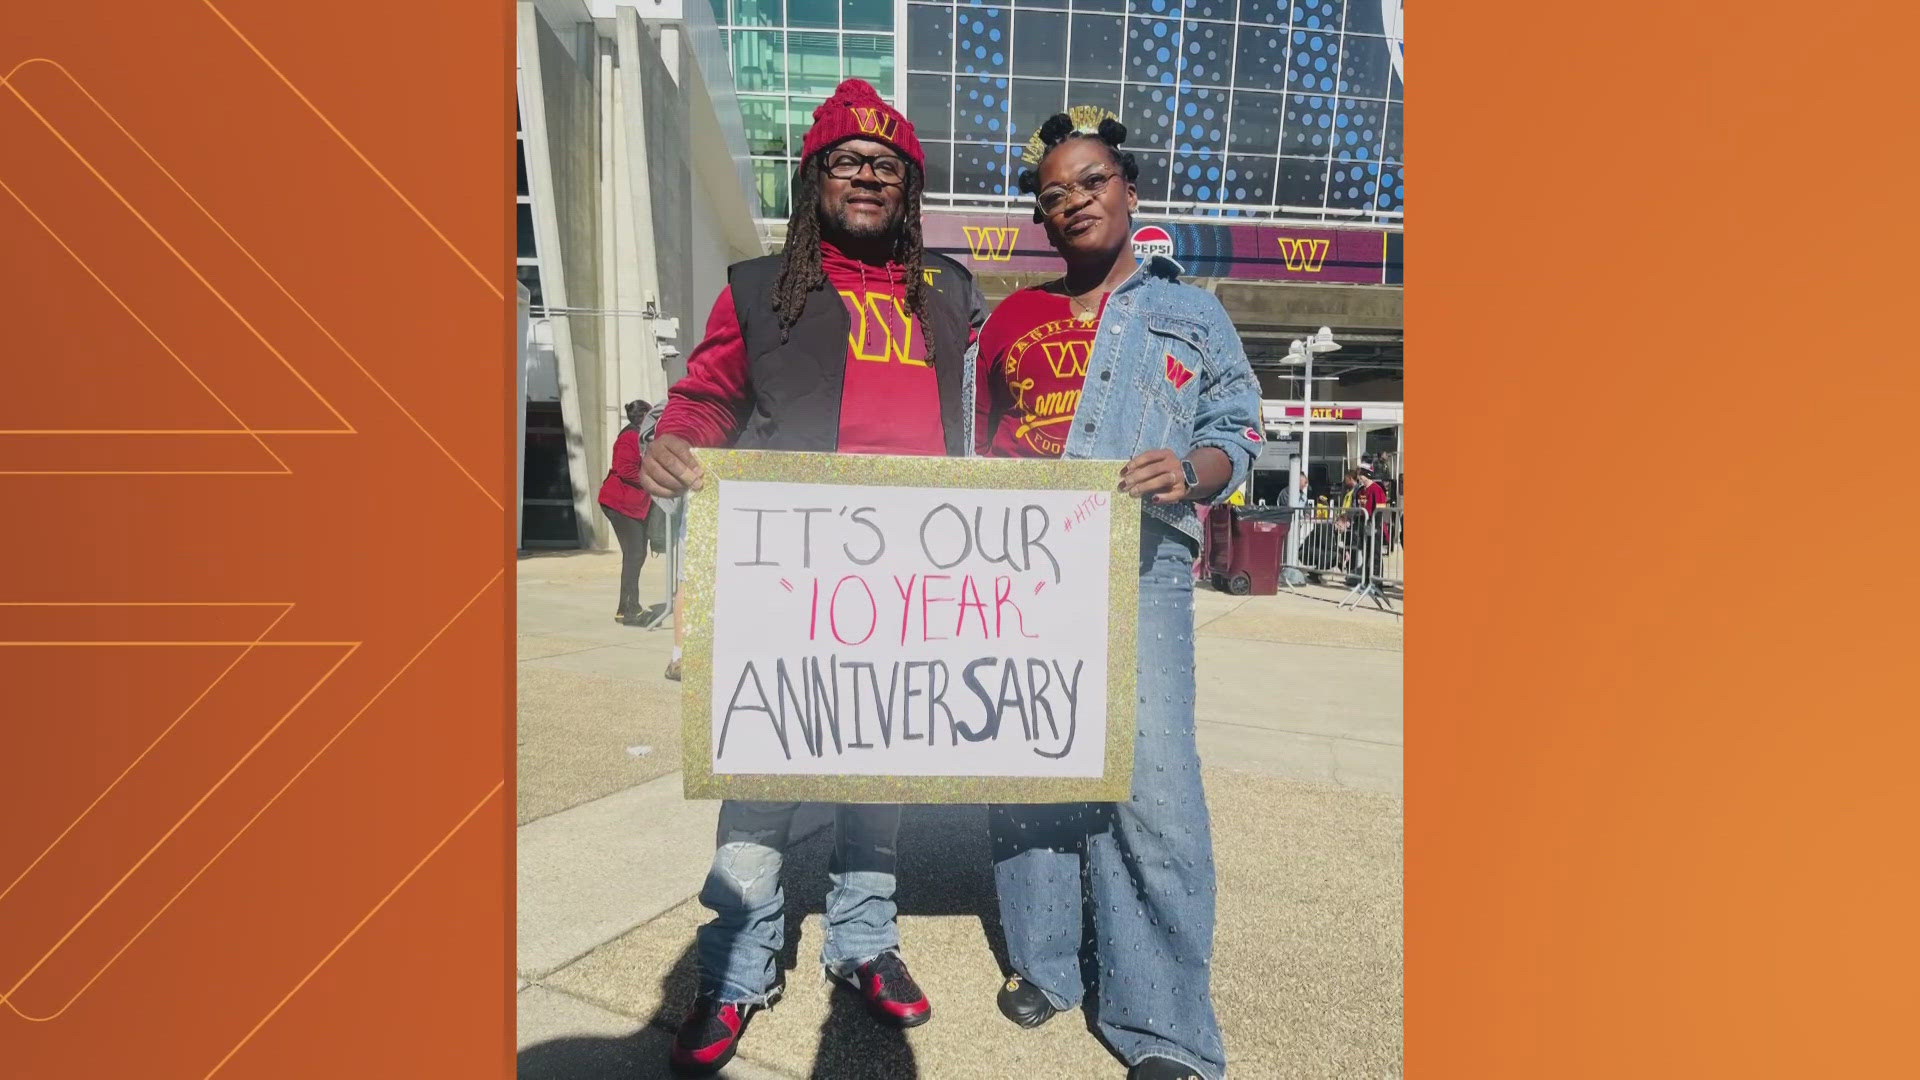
x=839, y=223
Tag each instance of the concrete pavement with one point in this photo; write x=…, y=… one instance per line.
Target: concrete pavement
x=1300, y=732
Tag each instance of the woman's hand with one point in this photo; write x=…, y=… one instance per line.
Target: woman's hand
x=1155, y=474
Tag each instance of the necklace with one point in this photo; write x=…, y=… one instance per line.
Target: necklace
x=1086, y=313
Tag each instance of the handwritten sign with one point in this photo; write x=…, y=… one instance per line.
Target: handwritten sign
x=888, y=629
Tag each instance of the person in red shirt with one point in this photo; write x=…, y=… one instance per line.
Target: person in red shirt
x=1364, y=496
x=626, y=502
x=850, y=341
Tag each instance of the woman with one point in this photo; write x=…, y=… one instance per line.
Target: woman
x=1120, y=361
x=626, y=503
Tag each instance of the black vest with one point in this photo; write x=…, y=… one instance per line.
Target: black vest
x=796, y=386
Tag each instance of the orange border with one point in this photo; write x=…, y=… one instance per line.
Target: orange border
x=1660, y=734
x=263, y=886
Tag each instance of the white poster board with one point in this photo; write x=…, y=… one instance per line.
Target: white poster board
x=909, y=630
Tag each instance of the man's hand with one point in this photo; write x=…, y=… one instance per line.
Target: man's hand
x=1155, y=474
x=668, y=468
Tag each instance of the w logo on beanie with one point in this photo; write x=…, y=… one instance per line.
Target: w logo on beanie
x=856, y=110
x=871, y=121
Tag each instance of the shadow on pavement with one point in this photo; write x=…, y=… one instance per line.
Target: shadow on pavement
x=944, y=869
x=641, y=1055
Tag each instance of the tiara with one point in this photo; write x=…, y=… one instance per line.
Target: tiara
x=1086, y=121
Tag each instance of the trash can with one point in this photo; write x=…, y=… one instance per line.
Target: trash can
x=1218, y=543
x=1248, y=548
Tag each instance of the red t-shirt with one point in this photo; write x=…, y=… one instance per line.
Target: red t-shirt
x=1033, y=363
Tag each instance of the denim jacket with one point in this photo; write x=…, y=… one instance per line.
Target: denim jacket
x=1139, y=395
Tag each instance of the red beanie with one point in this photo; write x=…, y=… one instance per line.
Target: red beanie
x=855, y=111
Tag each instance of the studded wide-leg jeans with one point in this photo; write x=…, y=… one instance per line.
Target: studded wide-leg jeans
x=1128, y=887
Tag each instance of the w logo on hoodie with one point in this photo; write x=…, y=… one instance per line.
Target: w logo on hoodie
x=880, y=328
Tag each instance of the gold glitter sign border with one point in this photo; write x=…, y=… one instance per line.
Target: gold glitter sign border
x=697, y=590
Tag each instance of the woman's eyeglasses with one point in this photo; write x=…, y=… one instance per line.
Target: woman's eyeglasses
x=845, y=165
x=1055, y=199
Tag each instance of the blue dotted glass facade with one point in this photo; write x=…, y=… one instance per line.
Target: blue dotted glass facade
x=1235, y=108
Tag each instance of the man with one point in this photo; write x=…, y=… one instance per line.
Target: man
x=1363, y=497
x=851, y=341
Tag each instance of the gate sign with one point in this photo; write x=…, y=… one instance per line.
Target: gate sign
x=898, y=629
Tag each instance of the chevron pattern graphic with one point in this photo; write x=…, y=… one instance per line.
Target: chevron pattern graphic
x=256, y=450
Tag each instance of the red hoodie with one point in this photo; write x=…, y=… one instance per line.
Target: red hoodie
x=891, y=404
x=621, y=489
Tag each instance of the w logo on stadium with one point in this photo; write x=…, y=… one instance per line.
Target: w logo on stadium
x=874, y=122
x=1068, y=359
x=1306, y=256
x=990, y=244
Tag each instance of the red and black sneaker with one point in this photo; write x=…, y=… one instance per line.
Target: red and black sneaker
x=710, y=1034
x=892, y=995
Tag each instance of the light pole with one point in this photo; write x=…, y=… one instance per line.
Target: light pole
x=1301, y=352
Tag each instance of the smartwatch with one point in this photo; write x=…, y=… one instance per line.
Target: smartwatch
x=1193, y=478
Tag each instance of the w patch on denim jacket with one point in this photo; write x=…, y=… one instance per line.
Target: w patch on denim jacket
x=1178, y=373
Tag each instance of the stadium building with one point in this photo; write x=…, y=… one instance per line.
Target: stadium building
x=658, y=141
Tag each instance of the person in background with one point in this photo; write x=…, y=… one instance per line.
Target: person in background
x=851, y=341
x=1166, y=388
x=1370, y=494
x=1357, y=523
x=626, y=502
x=666, y=527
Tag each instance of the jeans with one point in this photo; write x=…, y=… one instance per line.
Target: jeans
x=739, y=948
x=632, y=534
x=1135, y=879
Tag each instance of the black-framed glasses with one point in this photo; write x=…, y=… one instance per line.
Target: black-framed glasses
x=845, y=165
x=1055, y=199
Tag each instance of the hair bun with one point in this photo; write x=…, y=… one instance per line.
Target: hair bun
x=1056, y=129
x=1112, y=131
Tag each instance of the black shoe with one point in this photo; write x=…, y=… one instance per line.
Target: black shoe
x=710, y=1034
x=891, y=994
x=1159, y=1068
x=673, y=670
x=1023, y=1003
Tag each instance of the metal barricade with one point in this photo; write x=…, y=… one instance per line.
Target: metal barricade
x=1363, y=551
x=672, y=515
x=1383, y=577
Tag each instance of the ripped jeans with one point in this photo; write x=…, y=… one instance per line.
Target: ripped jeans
x=740, y=947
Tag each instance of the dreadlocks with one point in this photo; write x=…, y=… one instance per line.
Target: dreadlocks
x=908, y=248
x=801, y=270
